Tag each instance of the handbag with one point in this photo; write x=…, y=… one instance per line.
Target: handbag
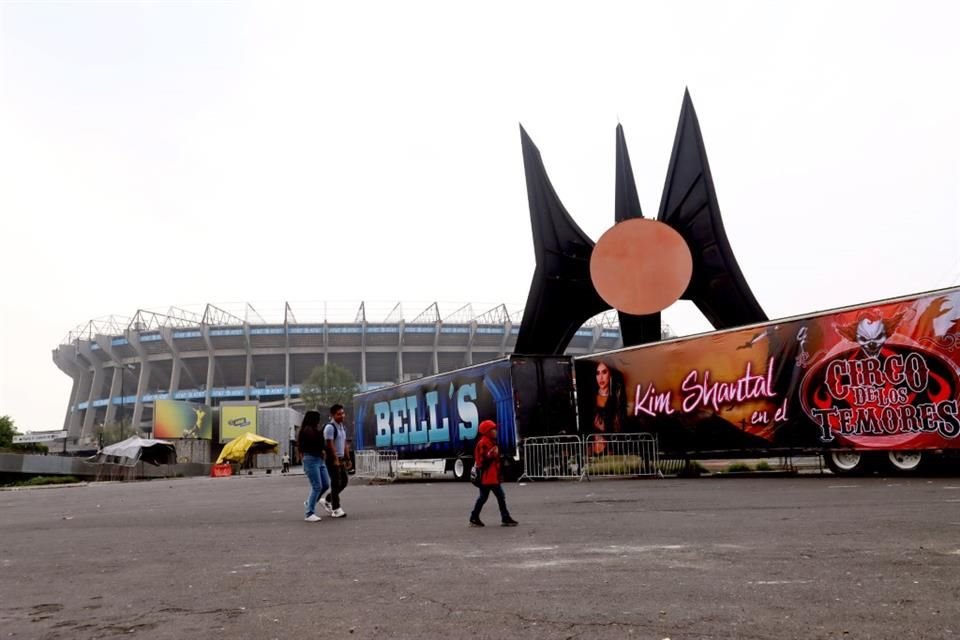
x=476, y=475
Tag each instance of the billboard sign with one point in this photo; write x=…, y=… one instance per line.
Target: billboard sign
x=178, y=419
x=39, y=436
x=236, y=419
x=438, y=415
x=877, y=376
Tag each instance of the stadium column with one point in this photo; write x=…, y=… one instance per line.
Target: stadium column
x=106, y=346
x=246, y=382
x=111, y=416
x=211, y=367
x=595, y=338
x=326, y=339
x=87, y=430
x=468, y=357
x=436, y=348
x=68, y=360
x=400, y=351
x=286, y=363
x=507, y=329
x=71, y=422
x=363, y=354
x=176, y=363
x=143, y=383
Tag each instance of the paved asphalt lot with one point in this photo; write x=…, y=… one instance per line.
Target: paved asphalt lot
x=797, y=557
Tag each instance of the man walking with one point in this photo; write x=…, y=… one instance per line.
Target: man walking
x=335, y=436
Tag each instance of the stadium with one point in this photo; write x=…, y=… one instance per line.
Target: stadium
x=121, y=365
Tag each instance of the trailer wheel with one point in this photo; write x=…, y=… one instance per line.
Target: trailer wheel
x=461, y=469
x=843, y=462
x=905, y=461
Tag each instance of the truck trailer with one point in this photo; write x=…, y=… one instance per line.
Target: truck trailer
x=871, y=386
x=432, y=422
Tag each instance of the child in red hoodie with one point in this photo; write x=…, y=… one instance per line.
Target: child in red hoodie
x=486, y=456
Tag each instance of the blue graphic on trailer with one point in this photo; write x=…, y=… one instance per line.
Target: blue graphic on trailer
x=439, y=415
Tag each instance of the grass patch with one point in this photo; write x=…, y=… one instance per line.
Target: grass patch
x=40, y=481
x=763, y=465
x=737, y=467
x=614, y=465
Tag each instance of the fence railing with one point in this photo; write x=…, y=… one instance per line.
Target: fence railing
x=552, y=457
x=598, y=456
x=376, y=465
x=621, y=454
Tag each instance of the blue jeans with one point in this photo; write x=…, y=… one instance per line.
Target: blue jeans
x=485, y=492
x=316, y=471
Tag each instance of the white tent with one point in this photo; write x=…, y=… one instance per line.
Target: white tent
x=136, y=449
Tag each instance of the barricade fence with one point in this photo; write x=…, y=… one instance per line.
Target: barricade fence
x=552, y=457
x=376, y=465
x=598, y=456
x=621, y=454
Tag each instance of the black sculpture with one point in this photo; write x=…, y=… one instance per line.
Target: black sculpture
x=689, y=205
x=633, y=329
x=562, y=296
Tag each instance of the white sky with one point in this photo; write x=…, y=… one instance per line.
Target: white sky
x=167, y=153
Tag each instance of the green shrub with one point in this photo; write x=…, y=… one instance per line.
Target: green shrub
x=763, y=465
x=614, y=465
x=30, y=447
x=737, y=467
x=690, y=469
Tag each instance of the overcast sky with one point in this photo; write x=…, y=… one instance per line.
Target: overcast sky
x=157, y=154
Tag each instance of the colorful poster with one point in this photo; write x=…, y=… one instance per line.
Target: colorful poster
x=236, y=419
x=438, y=416
x=877, y=376
x=178, y=419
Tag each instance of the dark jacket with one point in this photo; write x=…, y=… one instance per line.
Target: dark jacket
x=311, y=441
x=487, y=455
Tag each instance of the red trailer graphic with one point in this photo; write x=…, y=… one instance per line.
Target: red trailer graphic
x=879, y=377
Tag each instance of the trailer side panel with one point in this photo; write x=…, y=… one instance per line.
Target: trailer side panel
x=881, y=376
x=438, y=417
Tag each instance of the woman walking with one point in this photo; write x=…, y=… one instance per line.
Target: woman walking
x=486, y=456
x=312, y=448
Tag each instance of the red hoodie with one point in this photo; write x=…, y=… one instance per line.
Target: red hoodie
x=487, y=454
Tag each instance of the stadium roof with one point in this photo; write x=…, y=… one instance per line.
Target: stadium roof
x=292, y=313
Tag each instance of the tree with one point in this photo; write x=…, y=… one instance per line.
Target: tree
x=7, y=431
x=327, y=385
x=112, y=433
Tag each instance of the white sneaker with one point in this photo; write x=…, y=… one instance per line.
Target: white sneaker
x=326, y=506
x=312, y=518
x=338, y=513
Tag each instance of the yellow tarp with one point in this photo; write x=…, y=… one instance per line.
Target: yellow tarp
x=238, y=448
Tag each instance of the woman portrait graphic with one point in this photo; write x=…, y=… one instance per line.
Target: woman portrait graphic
x=610, y=405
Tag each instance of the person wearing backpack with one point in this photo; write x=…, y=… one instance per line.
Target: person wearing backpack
x=335, y=438
x=486, y=457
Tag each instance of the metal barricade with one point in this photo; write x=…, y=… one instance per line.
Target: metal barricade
x=611, y=455
x=376, y=465
x=552, y=457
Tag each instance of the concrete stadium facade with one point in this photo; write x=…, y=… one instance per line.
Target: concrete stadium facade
x=120, y=366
